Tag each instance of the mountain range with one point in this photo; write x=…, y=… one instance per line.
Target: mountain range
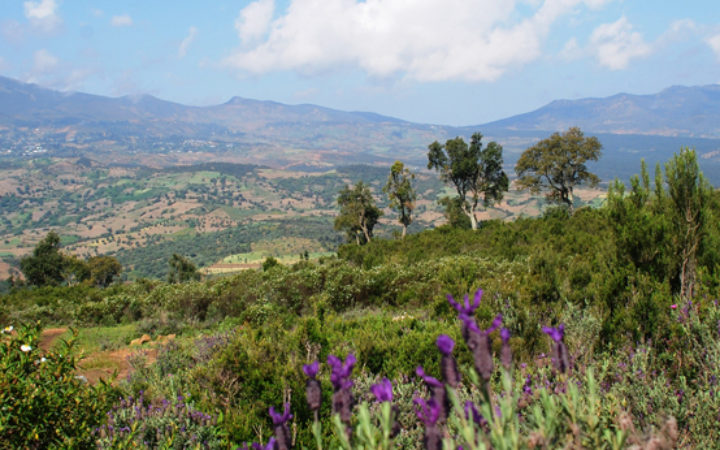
x=36, y=120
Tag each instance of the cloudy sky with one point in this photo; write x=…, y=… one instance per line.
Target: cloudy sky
x=457, y=62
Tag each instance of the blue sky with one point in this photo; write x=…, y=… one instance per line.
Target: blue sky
x=457, y=62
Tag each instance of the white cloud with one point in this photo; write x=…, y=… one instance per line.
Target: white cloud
x=182, y=49
x=615, y=44
x=571, y=50
x=254, y=20
x=714, y=43
x=428, y=40
x=42, y=14
x=121, y=21
x=44, y=61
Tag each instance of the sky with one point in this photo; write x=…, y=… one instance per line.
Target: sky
x=450, y=62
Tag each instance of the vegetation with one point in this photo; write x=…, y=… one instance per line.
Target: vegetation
x=358, y=214
x=558, y=164
x=472, y=170
x=401, y=193
x=585, y=335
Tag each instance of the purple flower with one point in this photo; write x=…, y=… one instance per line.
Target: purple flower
x=445, y=344
x=466, y=308
x=448, y=366
x=282, y=432
x=430, y=381
x=561, y=359
x=471, y=412
x=279, y=419
x=556, y=334
x=437, y=389
x=270, y=445
x=382, y=391
x=527, y=387
x=341, y=371
x=427, y=411
x=311, y=370
x=506, y=352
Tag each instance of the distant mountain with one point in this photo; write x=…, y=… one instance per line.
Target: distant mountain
x=676, y=111
x=37, y=121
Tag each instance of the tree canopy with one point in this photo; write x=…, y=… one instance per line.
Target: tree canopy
x=181, y=270
x=557, y=164
x=358, y=213
x=474, y=172
x=401, y=193
x=46, y=265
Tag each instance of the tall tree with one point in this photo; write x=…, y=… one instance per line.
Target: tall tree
x=401, y=193
x=475, y=172
x=104, y=270
x=358, y=213
x=46, y=265
x=557, y=164
x=689, y=195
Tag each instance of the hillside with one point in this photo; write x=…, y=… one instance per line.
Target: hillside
x=35, y=121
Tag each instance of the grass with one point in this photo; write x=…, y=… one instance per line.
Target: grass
x=96, y=339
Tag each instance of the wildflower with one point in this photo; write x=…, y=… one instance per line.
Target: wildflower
x=25, y=348
x=282, y=432
x=506, y=352
x=673, y=306
x=562, y=362
x=382, y=391
x=466, y=308
x=342, y=399
x=429, y=413
x=471, y=412
x=8, y=329
x=313, y=391
x=479, y=342
x=448, y=366
x=437, y=390
x=270, y=445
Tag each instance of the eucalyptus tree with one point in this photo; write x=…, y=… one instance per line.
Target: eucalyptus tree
x=474, y=171
x=358, y=213
x=400, y=191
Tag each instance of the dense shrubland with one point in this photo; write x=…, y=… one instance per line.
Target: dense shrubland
x=641, y=336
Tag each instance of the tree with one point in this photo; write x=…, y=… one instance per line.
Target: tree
x=104, y=270
x=473, y=171
x=46, y=264
x=358, y=213
x=689, y=195
x=401, y=193
x=558, y=164
x=181, y=270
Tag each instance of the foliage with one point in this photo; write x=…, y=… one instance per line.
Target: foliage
x=181, y=270
x=103, y=270
x=45, y=266
x=402, y=196
x=472, y=170
x=558, y=164
x=44, y=403
x=358, y=214
x=133, y=423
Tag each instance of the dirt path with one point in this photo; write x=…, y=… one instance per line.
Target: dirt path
x=101, y=364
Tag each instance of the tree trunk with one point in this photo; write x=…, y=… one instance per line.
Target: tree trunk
x=471, y=214
x=571, y=200
x=404, y=231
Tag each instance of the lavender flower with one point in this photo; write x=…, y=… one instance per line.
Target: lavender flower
x=561, y=360
x=448, y=366
x=506, y=352
x=429, y=413
x=466, y=308
x=282, y=432
x=313, y=390
x=382, y=391
x=437, y=390
x=270, y=445
x=479, y=343
x=471, y=412
x=342, y=399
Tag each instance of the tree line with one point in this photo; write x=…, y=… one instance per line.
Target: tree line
x=556, y=165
